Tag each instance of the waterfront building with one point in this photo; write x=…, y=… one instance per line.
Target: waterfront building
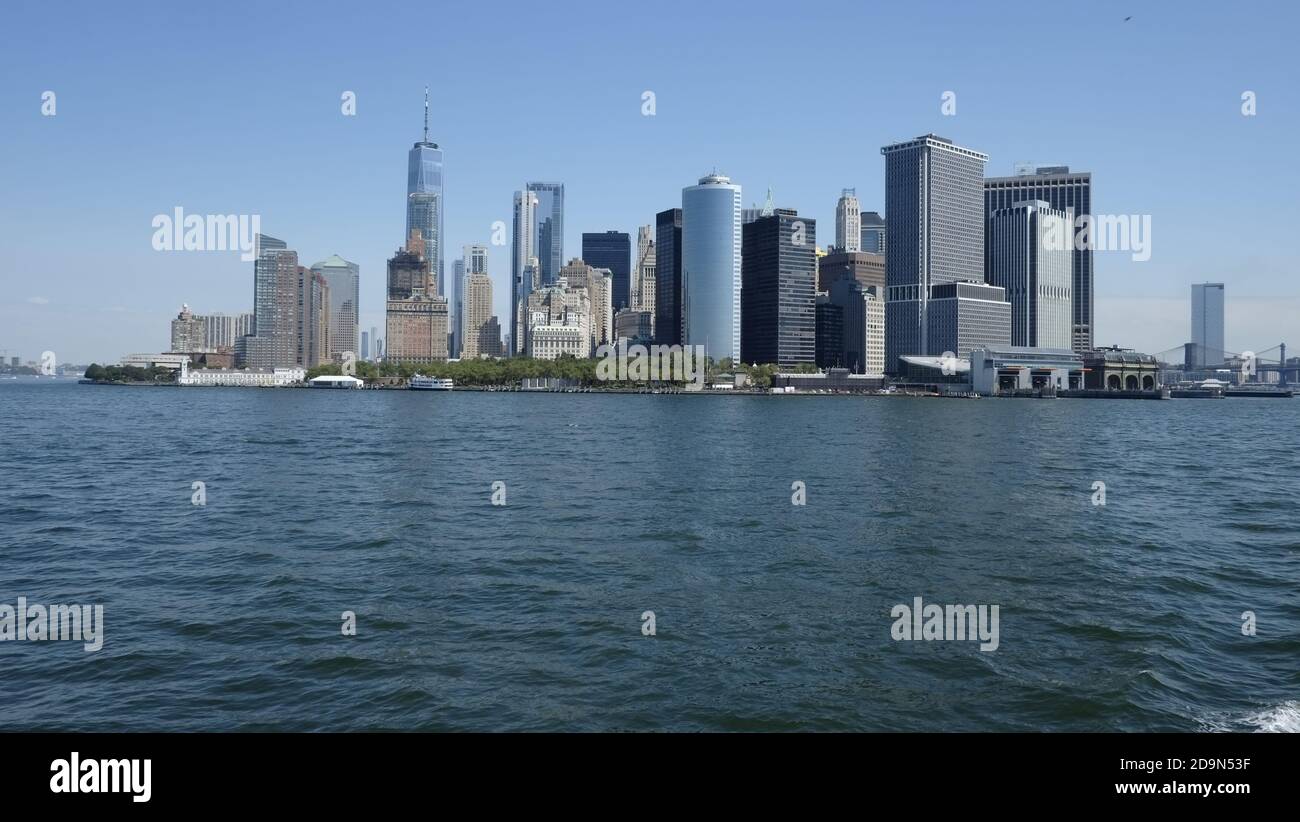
x=963, y=316
x=711, y=276
x=1019, y=368
x=611, y=250
x=1030, y=254
x=246, y=378
x=313, y=318
x=344, y=280
x=1207, y=326
x=668, y=277
x=1120, y=369
x=848, y=222
x=188, y=332
x=934, y=198
x=424, y=198
x=550, y=342
x=779, y=302
x=873, y=232
x=274, y=342
x=832, y=380
x=1062, y=190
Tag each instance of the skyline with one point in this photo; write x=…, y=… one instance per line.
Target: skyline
x=329, y=184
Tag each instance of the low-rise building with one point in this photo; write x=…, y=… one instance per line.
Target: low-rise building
x=248, y=377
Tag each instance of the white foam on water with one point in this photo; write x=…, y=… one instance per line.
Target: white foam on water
x=1284, y=719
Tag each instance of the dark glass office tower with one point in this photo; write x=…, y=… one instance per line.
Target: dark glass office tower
x=778, y=295
x=612, y=250
x=668, y=277
x=1064, y=191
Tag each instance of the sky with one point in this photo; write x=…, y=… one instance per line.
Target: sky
x=235, y=108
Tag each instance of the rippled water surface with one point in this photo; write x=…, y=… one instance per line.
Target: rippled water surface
x=769, y=616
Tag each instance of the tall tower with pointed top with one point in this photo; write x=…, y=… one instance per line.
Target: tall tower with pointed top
x=424, y=198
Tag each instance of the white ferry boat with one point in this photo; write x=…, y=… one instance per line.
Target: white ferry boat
x=422, y=383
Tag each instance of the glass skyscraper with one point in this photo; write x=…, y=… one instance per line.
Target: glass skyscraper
x=779, y=294
x=711, y=278
x=1029, y=253
x=668, y=277
x=424, y=197
x=344, y=279
x=1207, y=325
x=611, y=250
x=548, y=228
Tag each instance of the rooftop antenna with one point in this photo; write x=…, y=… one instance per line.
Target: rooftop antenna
x=426, y=114
x=769, y=208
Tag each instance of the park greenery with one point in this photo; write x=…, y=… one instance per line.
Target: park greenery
x=511, y=372
x=129, y=374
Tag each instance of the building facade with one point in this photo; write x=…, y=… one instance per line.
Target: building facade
x=478, y=311
x=668, y=277
x=848, y=222
x=424, y=197
x=1063, y=190
x=274, y=343
x=778, y=291
x=1207, y=325
x=711, y=277
x=344, y=280
x=188, y=332
x=873, y=233
x=1030, y=254
x=611, y=250
x=548, y=228
x=934, y=196
x=867, y=269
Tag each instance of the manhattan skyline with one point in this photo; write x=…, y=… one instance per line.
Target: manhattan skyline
x=215, y=128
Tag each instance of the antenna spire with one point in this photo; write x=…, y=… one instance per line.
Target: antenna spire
x=426, y=114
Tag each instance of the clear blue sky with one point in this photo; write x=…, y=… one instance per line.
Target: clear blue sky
x=235, y=108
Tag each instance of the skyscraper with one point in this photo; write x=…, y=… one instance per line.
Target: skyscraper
x=455, y=306
x=668, y=277
x=344, y=280
x=611, y=250
x=778, y=294
x=1030, y=254
x=711, y=279
x=416, y=317
x=188, y=332
x=1207, y=325
x=848, y=222
x=1063, y=191
x=424, y=197
x=312, y=332
x=523, y=253
x=473, y=261
x=274, y=342
x=643, y=272
x=934, y=200
x=478, y=313
x=873, y=233
x=548, y=228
